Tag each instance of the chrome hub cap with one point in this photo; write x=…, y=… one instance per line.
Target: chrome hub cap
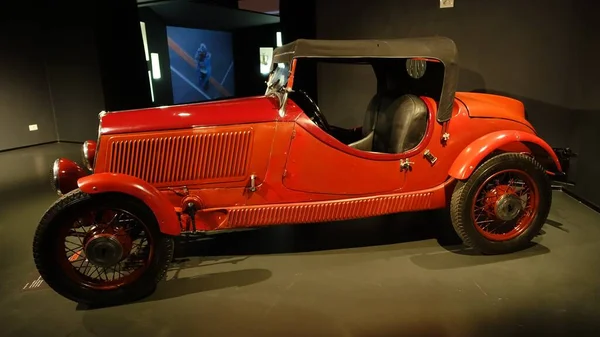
x=104, y=250
x=508, y=207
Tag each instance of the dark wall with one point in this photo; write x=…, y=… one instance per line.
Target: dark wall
x=504, y=46
x=74, y=79
x=585, y=135
x=298, y=21
x=24, y=95
x=156, y=32
x=246, y=46
x=60, y=70
x=511, y=47
x=121, y=55
x=94, y=63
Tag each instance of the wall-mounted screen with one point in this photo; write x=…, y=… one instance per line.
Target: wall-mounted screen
x=201, y=64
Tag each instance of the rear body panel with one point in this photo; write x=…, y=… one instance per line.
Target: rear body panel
x=493, y=106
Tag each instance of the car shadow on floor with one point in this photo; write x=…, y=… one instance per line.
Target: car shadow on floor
x=444, y=250
x=455, y=257
x=179, y=286
x=322, y=237
x=426, y=238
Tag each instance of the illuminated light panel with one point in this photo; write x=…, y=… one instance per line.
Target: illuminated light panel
x=145, y=39
x=279, y=44
x=151, y=88
x=155, y=66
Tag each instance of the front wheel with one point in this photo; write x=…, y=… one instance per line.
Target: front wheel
x=503, y=205
x=101, y=249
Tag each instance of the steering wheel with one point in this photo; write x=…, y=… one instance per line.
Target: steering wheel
x=311, y=109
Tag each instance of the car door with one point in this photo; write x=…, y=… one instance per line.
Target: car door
x=318, y=163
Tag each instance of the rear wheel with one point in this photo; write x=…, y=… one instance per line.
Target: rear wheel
x=101, y=249
x=503, y=205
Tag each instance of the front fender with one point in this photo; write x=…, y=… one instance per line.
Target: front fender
x=138, y=188
x=472, y=155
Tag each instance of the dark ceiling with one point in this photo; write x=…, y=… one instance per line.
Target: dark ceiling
x=207, y=14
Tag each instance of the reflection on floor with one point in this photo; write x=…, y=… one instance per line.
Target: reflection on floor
x=386, y=276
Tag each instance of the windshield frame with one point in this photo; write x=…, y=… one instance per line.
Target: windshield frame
x=281, y=90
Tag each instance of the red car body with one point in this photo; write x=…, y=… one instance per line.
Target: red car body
x=261, y=161
x=139, y=150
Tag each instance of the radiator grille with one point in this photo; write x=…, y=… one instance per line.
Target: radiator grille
x=173, y=159
x=328, y=211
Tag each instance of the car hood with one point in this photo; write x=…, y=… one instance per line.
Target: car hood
x=223, y=112
x=493, y=106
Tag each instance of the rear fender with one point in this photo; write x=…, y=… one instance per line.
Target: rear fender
x=137, y=188
x=468, y=160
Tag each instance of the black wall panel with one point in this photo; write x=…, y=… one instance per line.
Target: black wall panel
x=121, y=55
x=541, y=53
x=298, y=21
x=93, y=63
x=247, y=43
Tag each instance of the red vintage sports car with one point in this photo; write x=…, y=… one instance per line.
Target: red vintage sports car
x=161, y=172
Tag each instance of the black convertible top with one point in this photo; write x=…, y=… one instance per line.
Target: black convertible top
x=440, y=48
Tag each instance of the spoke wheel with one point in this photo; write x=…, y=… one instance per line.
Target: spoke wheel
x=105, y=248
x=101, y=250
x=503, y=205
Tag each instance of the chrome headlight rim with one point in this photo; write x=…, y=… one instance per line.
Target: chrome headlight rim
x=85, y=154
x=100, y=116
x=55, y=177
x=88, y=154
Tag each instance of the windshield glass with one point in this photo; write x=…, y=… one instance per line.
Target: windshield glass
x=278, y=78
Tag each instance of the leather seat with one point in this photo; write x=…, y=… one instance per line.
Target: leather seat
x=401, y=126
x=393, y=125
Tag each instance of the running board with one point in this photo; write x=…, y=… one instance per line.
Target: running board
x=329, y=210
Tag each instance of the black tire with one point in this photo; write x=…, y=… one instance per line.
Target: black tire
x=463, y=202
x=48, y=265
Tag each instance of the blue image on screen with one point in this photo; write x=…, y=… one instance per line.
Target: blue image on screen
x=201, y=64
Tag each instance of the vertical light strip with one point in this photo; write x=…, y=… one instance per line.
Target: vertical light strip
x=145, y=39
x=279, y=44
x=151, y=88
x=155, y=66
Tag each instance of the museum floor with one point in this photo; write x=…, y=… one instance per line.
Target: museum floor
x=387, y=276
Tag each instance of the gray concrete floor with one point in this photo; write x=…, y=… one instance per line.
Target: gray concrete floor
x=386, y=276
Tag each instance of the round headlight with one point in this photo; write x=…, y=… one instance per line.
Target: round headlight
x=88, y=154
x=65, y=174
